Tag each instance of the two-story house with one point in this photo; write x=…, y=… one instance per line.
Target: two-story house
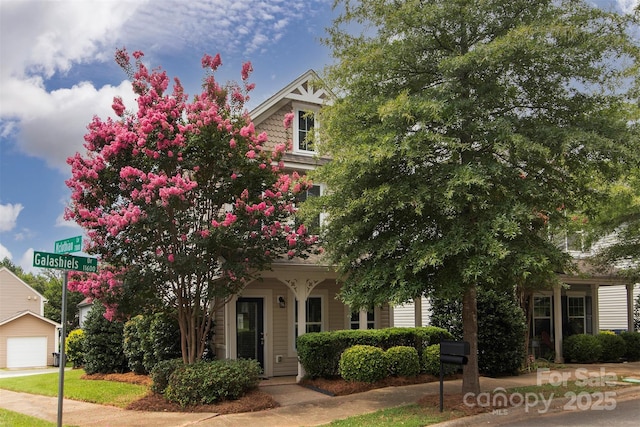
x=27, y=338
x=296, y=296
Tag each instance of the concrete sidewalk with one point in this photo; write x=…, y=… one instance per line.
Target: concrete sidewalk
x=300, y=406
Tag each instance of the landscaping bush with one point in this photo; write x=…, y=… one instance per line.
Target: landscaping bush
x=403, y=361
x=632, y=341
x=136, y=339
x=209, y=382
x=613, y=346
x=363, y=363
x=501, y=329
x=582, y=348
x=161, y=373
x=431, y=362
x=103, y=343
x=74, y=347
x=319, y=353
x=501, y=332
x=164, y=333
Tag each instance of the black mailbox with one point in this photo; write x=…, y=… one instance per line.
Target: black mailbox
x=454, y=352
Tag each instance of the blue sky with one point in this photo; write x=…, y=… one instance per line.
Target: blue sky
x=57, y=72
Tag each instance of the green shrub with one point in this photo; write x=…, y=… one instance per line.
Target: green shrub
x=74, y=347
x=632, y=341
x=431, y=362
x=209, y=382
x=164, y=333
x=135, y=339
x=319, y=353
x=501, y=329
x=582, y=348
x=613, y=346
x=403, y=361
x=161, y=372
x=363, y=363
x=103, y=343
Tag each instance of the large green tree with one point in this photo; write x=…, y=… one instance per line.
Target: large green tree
x=462, y=131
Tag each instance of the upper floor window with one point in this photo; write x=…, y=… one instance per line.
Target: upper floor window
x=304, y=129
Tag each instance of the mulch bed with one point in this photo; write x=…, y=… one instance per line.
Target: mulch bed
x=257, y=400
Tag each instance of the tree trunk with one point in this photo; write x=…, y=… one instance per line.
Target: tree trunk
x=470, y=373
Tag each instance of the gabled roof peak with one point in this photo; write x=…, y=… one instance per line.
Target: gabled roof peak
x=301, y=89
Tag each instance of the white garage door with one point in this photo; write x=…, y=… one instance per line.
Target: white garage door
x=26, y=352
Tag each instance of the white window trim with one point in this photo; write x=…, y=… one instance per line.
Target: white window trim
x=323, y=294
x=377, y=312
x=297, y=107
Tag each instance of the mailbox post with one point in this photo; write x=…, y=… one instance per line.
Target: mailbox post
x=454, y=353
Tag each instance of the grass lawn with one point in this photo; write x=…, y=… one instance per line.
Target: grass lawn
x=407, y=416
x=96, y=391
x=420, y=415
x=14, y=419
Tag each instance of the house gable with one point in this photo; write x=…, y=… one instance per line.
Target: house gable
x=302, y=90
x=17, y=296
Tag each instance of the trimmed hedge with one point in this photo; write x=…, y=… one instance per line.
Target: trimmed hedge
x=582, y=348
x=431, y=362
x=209, y=382
x=613, y=346
x=319, y=352
x=403, y=361
x=363, y=363
x=161, y=373
x=632, y=341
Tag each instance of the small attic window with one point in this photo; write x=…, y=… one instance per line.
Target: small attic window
x=304, y=131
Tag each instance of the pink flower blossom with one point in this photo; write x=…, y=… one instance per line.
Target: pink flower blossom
x=204, y=234
x=232, y=143
x=251, y=154
x=171, y=258
x=246, y=69
x=288, y=120
x=211, y=62
x=118, y=106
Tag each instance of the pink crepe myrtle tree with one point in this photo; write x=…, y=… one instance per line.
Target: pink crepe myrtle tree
x=182, y=201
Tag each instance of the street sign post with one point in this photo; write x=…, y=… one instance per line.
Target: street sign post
x=73, y=244
x=65, y=262
x=61, y=260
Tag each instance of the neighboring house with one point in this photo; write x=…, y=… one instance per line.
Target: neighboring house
x=83, y=310
x=590, y=301
x=414, y=313
x=27, y=338
x=296, y=296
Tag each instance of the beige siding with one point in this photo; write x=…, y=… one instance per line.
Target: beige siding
x=27, y=326
x=16, y=296
x=404, y=315
x=274, y=127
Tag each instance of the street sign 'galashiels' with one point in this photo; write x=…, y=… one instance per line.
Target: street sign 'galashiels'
x=65, y=262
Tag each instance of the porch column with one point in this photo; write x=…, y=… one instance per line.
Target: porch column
x=362, y=320
x=302, y=329
x=557, y=322
x=595, y=309
x=417, y=314
x=630, y=327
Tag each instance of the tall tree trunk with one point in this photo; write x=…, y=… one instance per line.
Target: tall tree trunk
x=470, y=373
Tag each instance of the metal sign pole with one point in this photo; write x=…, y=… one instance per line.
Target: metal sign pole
x=63, y=358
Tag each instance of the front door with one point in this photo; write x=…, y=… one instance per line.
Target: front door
x=250, y=329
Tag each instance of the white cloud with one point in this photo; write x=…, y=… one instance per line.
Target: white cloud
x=61, y=222
x=4, y=253
x=627, y=6
x=26, y=262
x=9, y=216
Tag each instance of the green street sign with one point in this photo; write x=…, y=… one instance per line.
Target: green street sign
x=73, y=244
x=65, y=262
